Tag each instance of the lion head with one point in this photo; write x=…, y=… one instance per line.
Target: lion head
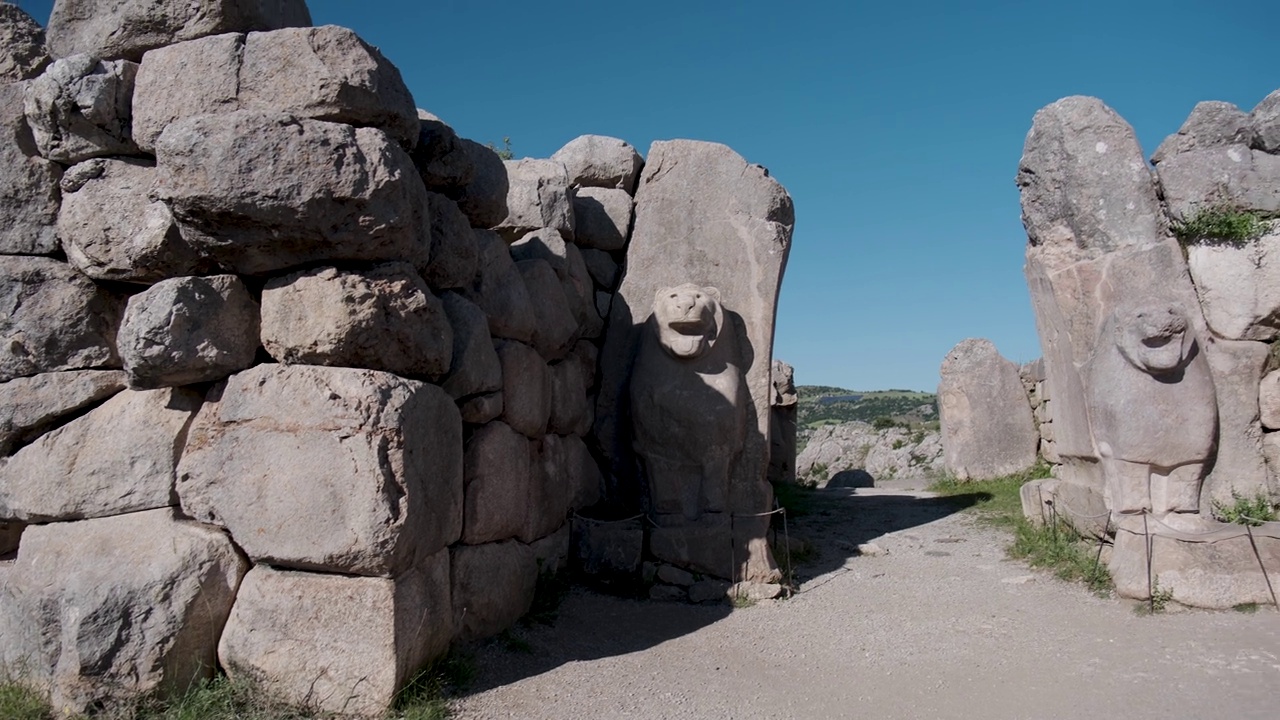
x=688, y=319
x=1156, y=338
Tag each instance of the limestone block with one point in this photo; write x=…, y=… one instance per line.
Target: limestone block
x=453, y=246
x=602, y=267
x=383, y=318
x=493, y=586
x=1269, y=400
x=1084, y=182
x=53, y=318
x=987, y=428
x=499, y=290
x=608, y=551
x=602, y=218
x=599, y=161
x=336, y=643
x=28, y=183
x=474, y=368
x=547, y=501
x=1227, y=174
x=126, y=605
x=118, y=458
x=81, y=107
x=1210, y=124
x=538, y=196
x=1239, y=288
x=1216, y=575
x=498, y=472
x=569, y=413
x=552, y=552
x=1264, y=122
x=22, y=55
x=188, y=330
x=262, y=192
x=445, y=165
x=1082, y=507
x=128, y=28
x=484, y=197
x=29, y=406
x=111, y=230
x=526, y=389
x=704, y=546
x=480, y=409
x=1240, y=467
x=570, y=268
x=555, y=327
x=331, y=469
x=196, y=77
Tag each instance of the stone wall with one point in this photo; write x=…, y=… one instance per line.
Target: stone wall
x=284, y=361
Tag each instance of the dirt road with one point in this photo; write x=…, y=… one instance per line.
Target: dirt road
x=941, y=625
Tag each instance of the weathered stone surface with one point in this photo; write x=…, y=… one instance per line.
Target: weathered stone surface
x=128, y=28
x=196, y=77
x=704, y=546
x=599, y=161
x=547, y=503
x=118, y=458
x=30, y=405
x=337, y=643
x=1217, y=575
x=555, y=327
x=332, y=469
x=668, y=593
x=1264, y=122
x=1085, y=186
x=81, y=107
x=1239, y=288
x=589, y=357
x=673, y=575
x=53, y=318
x=382, y=318
x=755, y=592
x=28, y=183
x=602, y=268
x=188, y=330
x=484, y=197
x=499, y=290
x=493, y=586
x=569, y=412
x=1240, y=467
x=706, y=591
x=111, y=231
x=526, y=388
x=782, y=424
x=480, y=409
x=538, y=196
x=571, y=270
x=453, y=246
x=552, y=552
x=22, y=55
x=987, y=429
x=1231, y=175
x=1082, y=507
x=608, y=551
x=1210, y=124
x=1268, y=400
x=568, y=456
x=602, y=218
x=261, y=192
x=445, y=165
x=118, y=606
x=474, y=368
x=498, y=474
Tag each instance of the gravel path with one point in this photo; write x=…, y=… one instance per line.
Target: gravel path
x=941, y=625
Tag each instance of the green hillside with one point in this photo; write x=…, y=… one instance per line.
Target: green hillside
x=822, y=404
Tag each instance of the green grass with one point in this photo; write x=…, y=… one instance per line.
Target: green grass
x=18, y=702
x=1222, y=224
x=797, y=499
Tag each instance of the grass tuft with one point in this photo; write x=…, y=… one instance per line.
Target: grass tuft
x=1245, y=511
x=19, y=702
x=1222, y=225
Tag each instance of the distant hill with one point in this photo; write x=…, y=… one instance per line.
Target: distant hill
x=824, y=405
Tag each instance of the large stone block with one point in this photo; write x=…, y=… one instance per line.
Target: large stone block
x=120, y=606
x=336, y=643
x=118, y=458
x=453, y=246
x=445, y=165
x=498, y=471
x=602, y=218
x=128, y=28
x=22, y=55
x=600, y=161
x=555, y=327
x=53, y=318
x=569, y=412
x=571, y=270
x=29, y=406
x=483, y=198
x=81, y=107
x=1264, y=124
x=1210, y=124
x=538, y=196
x=383, y=318
x=526, y=388
x=602, y=267
x=261, y=192
x=579, y=469
x=111, y=230
x=1239, y=287
x=1240, y=467
x=331, y=469
x=608, y=551
x=189, y=330
x=196, y=77
x=547, y=503
x=987, y=428
x=475, y=368
x=28, y=183
x=499, y=290
x=1232, y=175
x=493, y=586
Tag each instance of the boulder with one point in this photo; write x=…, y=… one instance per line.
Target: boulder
x=552, y=552
x=1240, y=468
x=444, y=163
x=335, y=643
x=81, y=107
x=129, y=28
x=555, y=327
x=1233, y=175
x=1210, y=124
x=53, y=318
x=22, y=55
x=188, y=330
x=120, y=606
x=526, y=389
x=538, y=196
x=474, y=368
x=602, y=267
x=1268, y=400
x=195, y=77
x=599, y=161
x=1264, y=122
x=570, y=268
x=329, y=469
x=262, y=192
x=118, y=458
x=569, y=412
x=493, y=586
x=500, y=291
x=29, y=406
x=383, y=318
x=480, y=409
x=483, y=198
x=1239, y=287
x=111, y=231
x=987, y=428
x=602, y=218
x=498, y=473
x=453, y=246
x=28, y=183
x=588, y=356
x=548, y=500
x=571, y=458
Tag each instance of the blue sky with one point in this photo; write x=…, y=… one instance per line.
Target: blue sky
x=896, y=127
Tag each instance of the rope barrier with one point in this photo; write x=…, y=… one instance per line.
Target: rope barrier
x=609, y=522
x=1265, y=576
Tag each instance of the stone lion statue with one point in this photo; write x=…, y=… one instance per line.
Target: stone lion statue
x=688, y=402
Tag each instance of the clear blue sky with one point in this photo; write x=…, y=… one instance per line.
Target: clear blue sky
x=896, y=127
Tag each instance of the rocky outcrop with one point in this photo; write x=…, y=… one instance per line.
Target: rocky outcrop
x=856, y=454
x=22, y=54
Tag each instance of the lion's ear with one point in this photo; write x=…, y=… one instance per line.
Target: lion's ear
x=713, y=292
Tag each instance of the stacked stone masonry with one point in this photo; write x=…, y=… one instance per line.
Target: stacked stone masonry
x=286, y=351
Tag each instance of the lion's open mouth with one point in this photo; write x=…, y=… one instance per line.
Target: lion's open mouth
x=687, y=327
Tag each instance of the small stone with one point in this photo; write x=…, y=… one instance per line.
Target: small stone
x=668, y=593
x=705, y=591
x=537, y=197
x=871, y=550
x=755, y=591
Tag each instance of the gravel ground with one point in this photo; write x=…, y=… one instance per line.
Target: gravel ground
x=941, y=625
